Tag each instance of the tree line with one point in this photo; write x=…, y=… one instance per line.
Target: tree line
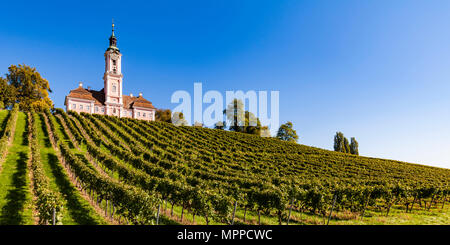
x=341, y=144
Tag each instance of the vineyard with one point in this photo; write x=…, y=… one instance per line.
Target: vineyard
x=93, y=169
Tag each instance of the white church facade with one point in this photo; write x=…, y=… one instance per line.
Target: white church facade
x=110, y=100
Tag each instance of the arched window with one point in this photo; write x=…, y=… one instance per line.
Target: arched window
x=114, y=88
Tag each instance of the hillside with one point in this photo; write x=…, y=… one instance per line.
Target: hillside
x=139, y=172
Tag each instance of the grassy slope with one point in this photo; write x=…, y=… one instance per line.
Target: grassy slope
x=77, y=209
x=15, y=195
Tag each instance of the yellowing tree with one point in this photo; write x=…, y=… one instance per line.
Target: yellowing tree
x=31, y=90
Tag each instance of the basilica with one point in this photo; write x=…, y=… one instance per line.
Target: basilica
x=110, y=100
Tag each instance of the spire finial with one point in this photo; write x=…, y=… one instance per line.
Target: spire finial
x=113, y=26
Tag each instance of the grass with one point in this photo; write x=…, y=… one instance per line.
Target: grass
x=76, y=209
x=15, y=194
x=4, y=114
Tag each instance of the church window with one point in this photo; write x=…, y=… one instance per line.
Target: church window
x=114, y=88
x=74, y=106
x=81, y=107
x=143, y=114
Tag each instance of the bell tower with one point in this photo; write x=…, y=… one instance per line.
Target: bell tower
x=113, y=77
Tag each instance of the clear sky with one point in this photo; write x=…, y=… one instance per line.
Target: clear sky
x=376, y=70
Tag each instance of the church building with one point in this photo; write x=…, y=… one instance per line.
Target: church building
x=110, y=100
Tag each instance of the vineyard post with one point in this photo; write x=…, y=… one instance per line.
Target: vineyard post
x=443, y=202
x=259, y=217
x=234, y=212
x=182, y=212
x=431, y=202
x=412, y=205
x=332, y=207
x=157, y=214
x=54, y=216
x=290, y=210
x=365, y=206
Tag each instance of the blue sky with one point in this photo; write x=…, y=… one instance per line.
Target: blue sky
x=375, y=70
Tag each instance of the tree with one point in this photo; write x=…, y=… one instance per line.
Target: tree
x=265, y=132
x=162, y=115
x=31, y=90
x=354, y=146
x=219, y=125
x=178, y=119
x=235, y=114
x=198, y=124
x=346, y=145
x=286, y=132
x=339, y=142
x=241, y=120
x=7, y=94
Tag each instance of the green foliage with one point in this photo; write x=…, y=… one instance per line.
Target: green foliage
x=28, y=88
x=220, y=125
x=8, y=131
x=162, y=115
x=346, y=145
x=207, y=171
x=47, y=201
x=241, y=120
x=354, y=146
x=7, y=94
x=286, y=132
x=178, y=119
x=341, y=143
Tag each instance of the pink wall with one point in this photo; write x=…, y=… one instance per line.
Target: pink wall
x=149, y=114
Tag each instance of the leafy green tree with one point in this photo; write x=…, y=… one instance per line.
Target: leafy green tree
x=241, y=120
x=178, y=119
x=31, y=90
x=265, y=132
x=163, y=115
x=354, y=146
x=7, y=94
x=339, y=142
x=286, y=132
x=346, y=145
x=235, y=115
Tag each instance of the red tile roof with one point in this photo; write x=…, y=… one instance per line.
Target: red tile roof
x=99, y=98
x=131, y=102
